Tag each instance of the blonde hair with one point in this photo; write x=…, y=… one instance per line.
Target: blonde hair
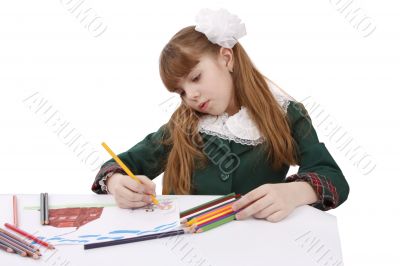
x=177, y=59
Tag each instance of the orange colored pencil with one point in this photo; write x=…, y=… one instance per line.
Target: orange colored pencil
x=212, y=217
x=213, y=213
x=126, y=169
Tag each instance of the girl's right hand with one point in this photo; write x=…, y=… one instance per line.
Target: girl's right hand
x=129, y=193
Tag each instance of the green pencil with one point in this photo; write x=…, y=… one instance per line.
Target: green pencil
x=216, y=224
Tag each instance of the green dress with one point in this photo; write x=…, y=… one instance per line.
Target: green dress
x=237, y=166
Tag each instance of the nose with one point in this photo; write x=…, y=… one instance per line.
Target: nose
x=193, y=93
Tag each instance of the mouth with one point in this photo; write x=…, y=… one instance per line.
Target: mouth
x=203, y=106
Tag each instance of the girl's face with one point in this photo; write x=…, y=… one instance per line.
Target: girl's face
x=209, y=86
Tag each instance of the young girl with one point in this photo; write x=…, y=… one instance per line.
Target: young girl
x=234, y=131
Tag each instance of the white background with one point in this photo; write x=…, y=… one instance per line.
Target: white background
x=108, y=89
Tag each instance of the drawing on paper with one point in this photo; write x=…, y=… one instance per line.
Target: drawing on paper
x=96, y=223
x=73, y=217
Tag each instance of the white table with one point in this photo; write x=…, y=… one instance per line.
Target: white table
x=307, y=237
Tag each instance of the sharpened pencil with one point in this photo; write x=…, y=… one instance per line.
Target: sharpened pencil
x=30, y=251
x=22, y=232
x=126, y=169
x=137, y=239
x=12, y=246
x=20, y=240
x=6, y=248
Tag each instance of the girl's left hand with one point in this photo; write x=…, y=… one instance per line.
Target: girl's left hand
x=272, y=202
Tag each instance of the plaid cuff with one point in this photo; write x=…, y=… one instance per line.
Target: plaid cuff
x=328, y=197
x=107, y=170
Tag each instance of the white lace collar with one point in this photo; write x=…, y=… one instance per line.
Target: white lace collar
x=239, y=127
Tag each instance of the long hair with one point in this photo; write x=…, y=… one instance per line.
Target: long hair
x=180, y=55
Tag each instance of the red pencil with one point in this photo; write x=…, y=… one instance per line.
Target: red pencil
x=21, y=232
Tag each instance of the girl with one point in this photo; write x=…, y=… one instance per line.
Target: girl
x=234, y=131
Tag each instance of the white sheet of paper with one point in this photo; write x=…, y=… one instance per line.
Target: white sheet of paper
x=113, y=223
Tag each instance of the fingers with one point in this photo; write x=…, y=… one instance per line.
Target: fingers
x=150, y=186
x=266, y=212
x=125, y=198
x=146, y=187
x=277, y=216
x=128, y=195
x=250, y=197
x=254, y=208
x=247, y=201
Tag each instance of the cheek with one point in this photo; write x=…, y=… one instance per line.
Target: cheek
x=226, y=86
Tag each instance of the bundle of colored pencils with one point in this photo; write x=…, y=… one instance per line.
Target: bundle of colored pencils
x=12, y=243
x=210, y=214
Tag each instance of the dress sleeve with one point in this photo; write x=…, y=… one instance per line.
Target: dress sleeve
x=148, y=157
x=316, y=165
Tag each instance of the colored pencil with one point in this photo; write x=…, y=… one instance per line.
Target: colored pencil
x=206, y=205
x=199, y=213
x=136, y=239
x=19, y=244
x=210, y=214
x=46, y=208
x=21, y=232
x=13, y=247
x=15, y=210
x=216, y=224
x=202, y=221
x=42, y=208
x=20, y=240
x=216, y=219
x=6, y=248
x=126, y=169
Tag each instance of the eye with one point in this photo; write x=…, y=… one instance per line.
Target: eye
x=196, y=78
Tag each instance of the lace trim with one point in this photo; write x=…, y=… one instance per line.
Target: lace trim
x=283, y=102
x=233, y=138
x=239, y=127
x=102, y=182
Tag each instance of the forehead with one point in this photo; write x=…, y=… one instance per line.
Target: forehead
x=205, y=62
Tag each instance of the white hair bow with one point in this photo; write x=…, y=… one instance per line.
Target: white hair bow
x=220, y=27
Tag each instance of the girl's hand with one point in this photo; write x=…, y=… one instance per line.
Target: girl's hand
x=129, y=193
x=273, y=202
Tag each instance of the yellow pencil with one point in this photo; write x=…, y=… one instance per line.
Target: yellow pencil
x=126, y=169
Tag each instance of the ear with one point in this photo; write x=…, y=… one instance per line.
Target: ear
x=226, y=55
